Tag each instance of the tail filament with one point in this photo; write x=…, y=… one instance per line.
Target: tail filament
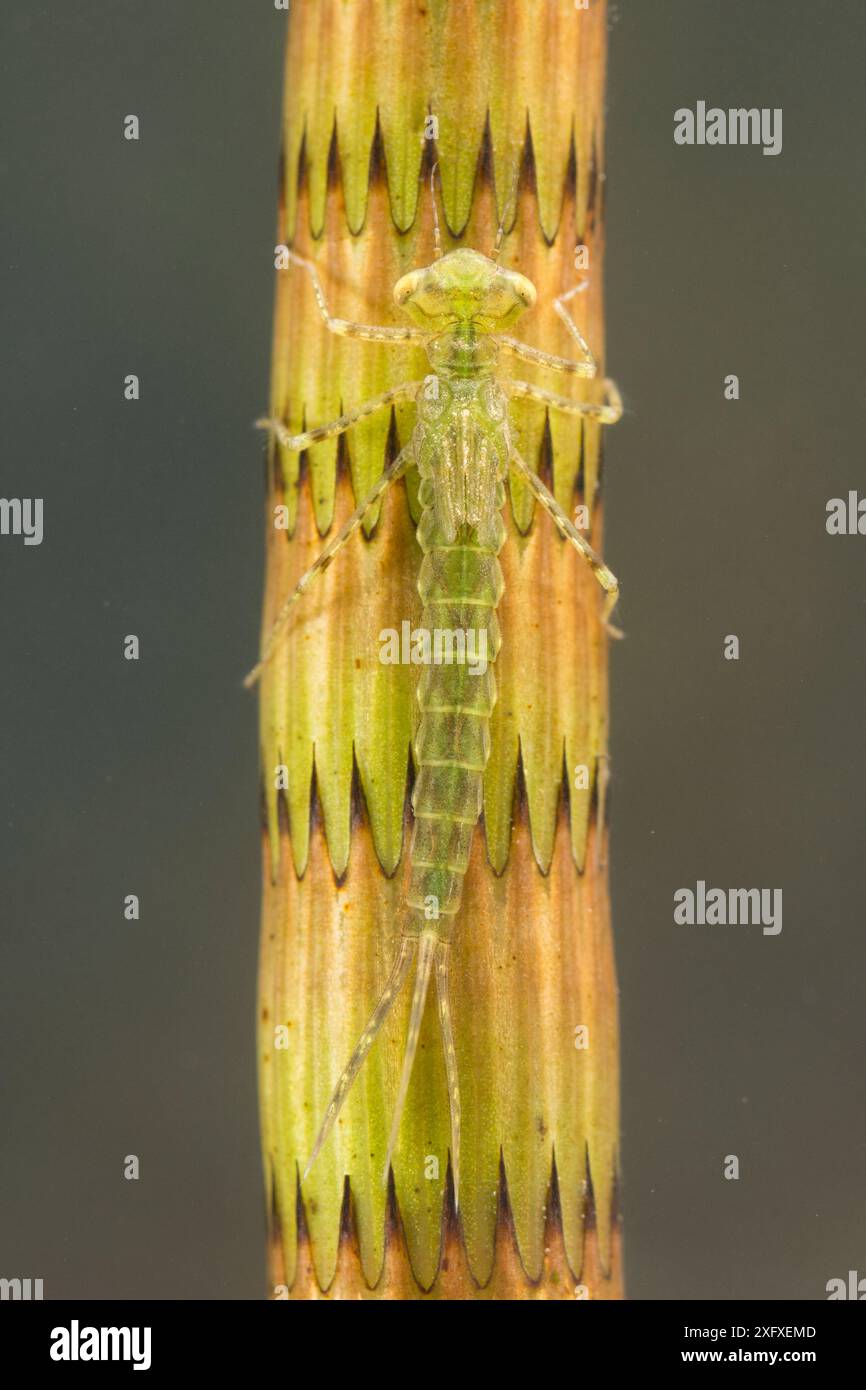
x=426, y=952
x=365, y=1042
x=430, y=950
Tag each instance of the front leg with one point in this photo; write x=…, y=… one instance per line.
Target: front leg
x=559, y=307
x=586, y=368
x=345, y=328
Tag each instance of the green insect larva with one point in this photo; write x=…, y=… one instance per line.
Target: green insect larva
x=463, y=449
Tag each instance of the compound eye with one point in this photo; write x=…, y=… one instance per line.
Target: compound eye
x=406, y=287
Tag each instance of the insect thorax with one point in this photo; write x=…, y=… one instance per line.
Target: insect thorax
x=462, y=446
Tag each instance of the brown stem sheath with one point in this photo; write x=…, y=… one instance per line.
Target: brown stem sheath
x=507, y=96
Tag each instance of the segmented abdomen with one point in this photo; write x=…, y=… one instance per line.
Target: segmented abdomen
x=460, y=586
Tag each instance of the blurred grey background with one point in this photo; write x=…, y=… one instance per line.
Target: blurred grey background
x=119, y=778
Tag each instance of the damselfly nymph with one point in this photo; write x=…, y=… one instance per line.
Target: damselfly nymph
x=463, y=448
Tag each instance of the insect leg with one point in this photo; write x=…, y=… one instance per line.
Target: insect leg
x=322, y=561
x=426, y=951
x=451, y=1075
x=559, y=307
x=297, y=442
x=608, y=412
x=365, y=1042
x=566, y=528
x=345, y=328
x=586, y=368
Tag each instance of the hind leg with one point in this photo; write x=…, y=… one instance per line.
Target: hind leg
x=400, y=465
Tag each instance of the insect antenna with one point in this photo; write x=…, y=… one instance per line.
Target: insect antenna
x=365, y=1042
x=510, y=204
x=426, y=951
x=437, y=231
